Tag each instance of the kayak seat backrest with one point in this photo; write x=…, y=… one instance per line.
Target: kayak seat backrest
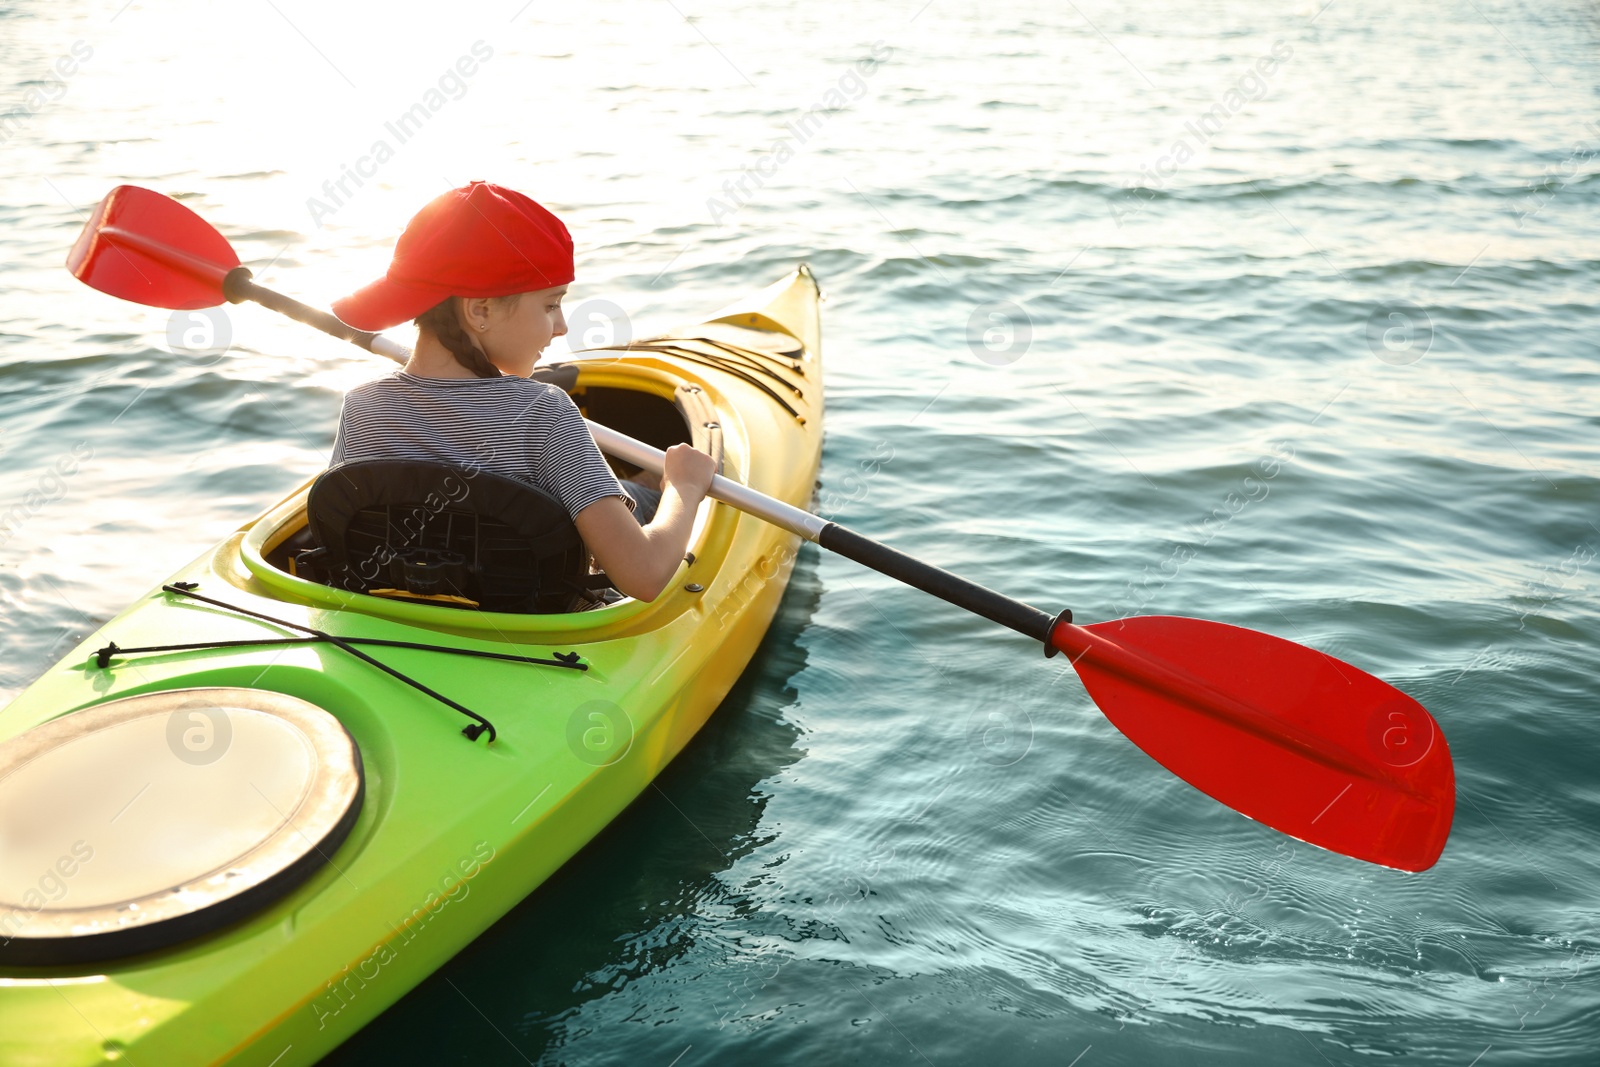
x=456, y=536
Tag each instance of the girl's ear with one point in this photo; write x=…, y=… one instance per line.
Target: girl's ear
x=475, y=313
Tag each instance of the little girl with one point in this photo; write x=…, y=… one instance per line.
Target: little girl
x=481, y=270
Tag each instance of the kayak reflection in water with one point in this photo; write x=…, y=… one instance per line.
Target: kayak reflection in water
x=481, y=271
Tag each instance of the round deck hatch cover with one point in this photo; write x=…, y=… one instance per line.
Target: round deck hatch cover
x=142, y=822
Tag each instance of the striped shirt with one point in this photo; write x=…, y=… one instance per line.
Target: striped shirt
x=523, y=429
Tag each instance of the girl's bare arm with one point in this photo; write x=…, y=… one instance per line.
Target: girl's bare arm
x=642, y=560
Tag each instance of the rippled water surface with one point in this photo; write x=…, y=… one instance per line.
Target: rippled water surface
x=1089, y=267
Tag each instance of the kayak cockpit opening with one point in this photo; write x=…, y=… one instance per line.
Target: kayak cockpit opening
x=472, y=539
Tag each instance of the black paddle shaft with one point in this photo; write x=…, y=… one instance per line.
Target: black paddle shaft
x=238, y=288
x=977, y=599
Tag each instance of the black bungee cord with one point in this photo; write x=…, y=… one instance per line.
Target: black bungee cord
x=479, y=726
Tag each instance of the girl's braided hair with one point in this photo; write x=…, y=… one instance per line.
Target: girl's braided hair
x=444, y=322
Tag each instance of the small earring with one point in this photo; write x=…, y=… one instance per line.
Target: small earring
x=483, y=325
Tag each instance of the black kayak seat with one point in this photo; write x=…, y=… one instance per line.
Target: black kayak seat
x=454, y=535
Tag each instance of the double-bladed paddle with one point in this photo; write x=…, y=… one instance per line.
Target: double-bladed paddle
x=1282, y=733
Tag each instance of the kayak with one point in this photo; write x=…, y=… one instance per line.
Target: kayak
x=394, y=840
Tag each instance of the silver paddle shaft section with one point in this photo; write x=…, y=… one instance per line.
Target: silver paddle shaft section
x=620, y=445
x=784, y=516
x=388, y=346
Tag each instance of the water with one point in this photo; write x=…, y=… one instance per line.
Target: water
x=907, y=838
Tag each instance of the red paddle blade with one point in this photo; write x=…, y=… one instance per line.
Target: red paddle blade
x=142, y=246
x=1283, y=733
